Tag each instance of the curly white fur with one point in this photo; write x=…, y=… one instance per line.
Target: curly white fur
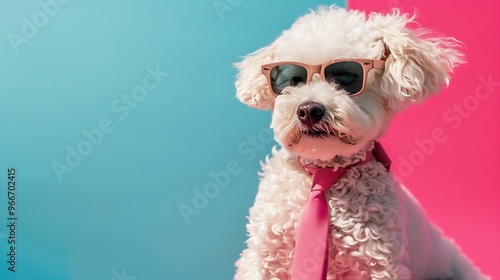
x=378, y=230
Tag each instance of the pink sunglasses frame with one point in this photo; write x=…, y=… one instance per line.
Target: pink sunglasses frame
x=366, y=64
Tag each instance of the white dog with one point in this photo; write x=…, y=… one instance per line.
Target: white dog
x=334, y=81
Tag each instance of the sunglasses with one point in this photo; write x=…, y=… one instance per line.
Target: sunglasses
x=348, y=74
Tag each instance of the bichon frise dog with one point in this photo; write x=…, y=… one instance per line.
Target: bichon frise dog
x=334, y=81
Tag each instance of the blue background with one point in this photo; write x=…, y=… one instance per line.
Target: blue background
x=116, y=214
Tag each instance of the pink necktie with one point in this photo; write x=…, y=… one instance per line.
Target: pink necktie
x=310, y=261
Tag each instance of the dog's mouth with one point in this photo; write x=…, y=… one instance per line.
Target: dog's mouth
x=324, y=134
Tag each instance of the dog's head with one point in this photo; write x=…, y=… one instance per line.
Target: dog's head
x=336, y=78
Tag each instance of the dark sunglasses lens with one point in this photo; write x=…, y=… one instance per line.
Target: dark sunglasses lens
x=287, y=75
x=348, y=75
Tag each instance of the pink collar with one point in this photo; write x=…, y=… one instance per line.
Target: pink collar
x=378, y=153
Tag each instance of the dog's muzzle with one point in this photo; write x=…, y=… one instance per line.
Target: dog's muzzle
x=310, y=114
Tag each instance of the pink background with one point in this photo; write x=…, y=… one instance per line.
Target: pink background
x=457, y=181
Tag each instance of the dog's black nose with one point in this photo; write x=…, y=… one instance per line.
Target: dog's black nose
x=310, y=113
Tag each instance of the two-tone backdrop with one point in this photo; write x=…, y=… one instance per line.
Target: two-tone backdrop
x=124, y=154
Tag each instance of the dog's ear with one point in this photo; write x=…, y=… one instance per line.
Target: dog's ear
x=251, y=84
x=418, y=63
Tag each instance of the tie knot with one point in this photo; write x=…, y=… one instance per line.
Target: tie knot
x=324, y=178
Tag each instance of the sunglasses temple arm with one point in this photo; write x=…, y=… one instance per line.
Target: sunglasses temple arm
x=379, y=64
